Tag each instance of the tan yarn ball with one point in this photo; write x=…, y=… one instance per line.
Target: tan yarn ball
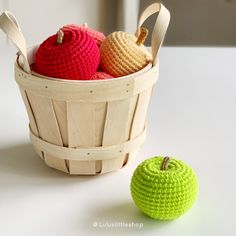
x=122, y=54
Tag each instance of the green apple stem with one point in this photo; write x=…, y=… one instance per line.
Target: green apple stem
x=60, y=35
x=165, y=163
x=142, y=36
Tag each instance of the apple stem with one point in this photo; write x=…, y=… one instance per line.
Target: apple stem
x=60, y=35
x=165, y=163
x=142, y=36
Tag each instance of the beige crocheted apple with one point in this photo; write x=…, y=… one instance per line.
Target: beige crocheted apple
x=122, y=53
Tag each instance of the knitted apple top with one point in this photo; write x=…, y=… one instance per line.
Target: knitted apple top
x=75, y=58
x=96, y=35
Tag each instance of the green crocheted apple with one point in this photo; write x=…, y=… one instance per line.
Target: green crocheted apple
x=164, y=188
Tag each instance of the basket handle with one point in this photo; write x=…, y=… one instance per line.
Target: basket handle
x=159, y=29
x=11, y=28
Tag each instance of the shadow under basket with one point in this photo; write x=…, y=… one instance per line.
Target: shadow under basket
x=87, y=127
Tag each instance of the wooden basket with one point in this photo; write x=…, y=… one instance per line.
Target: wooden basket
x=86, y=127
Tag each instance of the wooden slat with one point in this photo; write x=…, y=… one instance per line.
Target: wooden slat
x=115, y=131
x=116, y=122
x=61, y=116
x=33, y=124
x=45, y=118
x=82, y=167
x=85, y=126
x=132, y=108
x=140, y=113
x=100, y=116
x=139, y=118
x=81, y=126
x=48, y=128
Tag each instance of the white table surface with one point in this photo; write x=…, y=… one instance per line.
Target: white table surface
x=192, y=116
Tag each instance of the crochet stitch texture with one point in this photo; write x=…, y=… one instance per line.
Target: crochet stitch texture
x=96, y=35
x=76, y=58
x=120, y=55
x=100, y=75
x=164, y=194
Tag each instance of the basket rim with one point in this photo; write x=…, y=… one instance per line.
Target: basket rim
x=89, y=91
x=31, y=54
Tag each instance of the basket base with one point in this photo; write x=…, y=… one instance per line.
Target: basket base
x=83, y=169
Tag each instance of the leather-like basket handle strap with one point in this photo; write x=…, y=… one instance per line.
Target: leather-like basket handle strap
x=159, y=29
x=11, y=28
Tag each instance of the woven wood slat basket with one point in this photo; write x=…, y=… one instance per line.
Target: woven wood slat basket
x=86, y=127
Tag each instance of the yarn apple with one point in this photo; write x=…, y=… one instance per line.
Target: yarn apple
x=70, y=54
x=123, y=53
x=100, y=75
x=96, y=35
x=164, y=188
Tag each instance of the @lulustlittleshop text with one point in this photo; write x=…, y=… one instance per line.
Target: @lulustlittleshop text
x=117, y=224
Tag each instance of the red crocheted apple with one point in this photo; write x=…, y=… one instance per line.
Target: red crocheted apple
x=96, y=35
x=70, y=54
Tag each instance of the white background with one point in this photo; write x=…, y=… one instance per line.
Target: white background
x=192, y=117
x=40, y=19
